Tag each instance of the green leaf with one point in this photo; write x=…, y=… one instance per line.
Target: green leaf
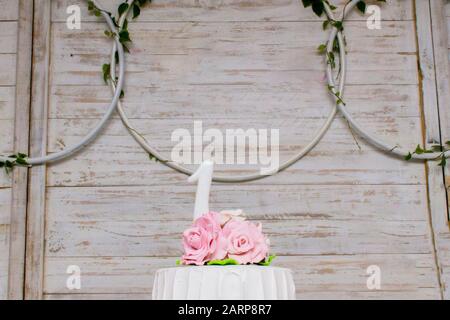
x=267, y=262
x=437, y=148
x=322, y=48
x=419, y=150
x=178, y=262
x=224, y=262
x=361, y=6
x=443, y=162
x=136, y=11
x=106, y=72
x=408, y=156
x=122, y=8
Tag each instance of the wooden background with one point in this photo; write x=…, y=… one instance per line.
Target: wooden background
x=231, y=64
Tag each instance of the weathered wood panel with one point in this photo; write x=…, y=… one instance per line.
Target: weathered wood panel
x=10, y=10
x=232, y=10
x=119, y=216
x=5, y=203
x=221, y=54
x=170, y=203
x=335, y=277
x=441, y=222
x=301, y=226
x=8, y=49
x=21, y=142
x=34, y=264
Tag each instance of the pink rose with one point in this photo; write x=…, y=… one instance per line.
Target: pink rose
x=210, y=222
x=227, y=215
x=246, y=242
x=204, y=241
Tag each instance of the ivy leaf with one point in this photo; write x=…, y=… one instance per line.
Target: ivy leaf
x=136, y=11
x=106, y=72
x=123, y=7
x=322, y=48
x=408, y=156
x=419, y=150
x=318, y=7
x=224, y=262
x=361, y=6
x=443, y=162
x=267, y=262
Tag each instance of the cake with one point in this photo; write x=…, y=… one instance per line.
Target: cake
x=224, y=283
x=225, y=256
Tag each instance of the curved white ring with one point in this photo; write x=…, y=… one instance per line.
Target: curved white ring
x=94, y=132
x=218, y=178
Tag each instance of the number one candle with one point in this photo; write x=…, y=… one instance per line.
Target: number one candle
x=203, y=177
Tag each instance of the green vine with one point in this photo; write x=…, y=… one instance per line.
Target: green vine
x=14, y=160
x=318, y=6
x=123, y=32
x=437, y=148
x=124, y=38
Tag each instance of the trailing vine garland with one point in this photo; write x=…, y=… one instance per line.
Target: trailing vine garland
x=118, y=31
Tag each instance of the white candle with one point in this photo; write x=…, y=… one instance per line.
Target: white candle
x=203, y=177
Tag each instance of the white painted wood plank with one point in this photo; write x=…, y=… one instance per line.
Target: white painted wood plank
x=4, y=251
x=5, y=202
x=231, y=10
x=441, y=218
x=212, y=55
x=405, y=276
x=8, y=48
x=8, y=37
x=327, y=167
x=368, y=203
x=34, y=263
x=239, y=101
x=288, y=237
x=21, y=143
x=6, y=141
x=10, y=10
x=7, y=102
x=7, y=71
x=294, y=132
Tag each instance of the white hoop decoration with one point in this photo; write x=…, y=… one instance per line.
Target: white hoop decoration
x=393, y=149
x=339, y=105
x=227, y=179
x=94, y=132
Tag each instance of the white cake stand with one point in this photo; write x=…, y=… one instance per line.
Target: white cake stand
x=224, y=283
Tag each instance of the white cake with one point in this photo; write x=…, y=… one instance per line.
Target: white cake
x=249, y=282
x=225, y=257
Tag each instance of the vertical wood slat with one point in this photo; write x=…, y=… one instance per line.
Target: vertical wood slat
x=21, y=139
x=34, y=266
x=437, y=196
x=440, y=42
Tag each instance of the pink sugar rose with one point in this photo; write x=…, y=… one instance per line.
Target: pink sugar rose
x=246, y=242
x=204, y=241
